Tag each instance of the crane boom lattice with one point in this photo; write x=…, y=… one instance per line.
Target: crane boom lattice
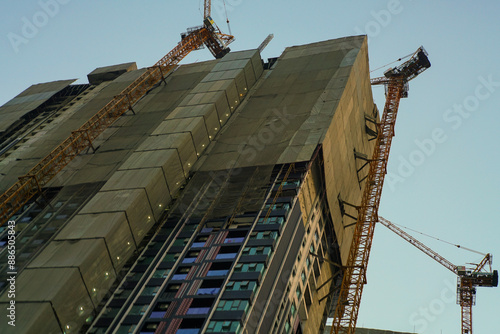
x=434, y=255
x=354, y=279
x=347, y=309
x=468, y=278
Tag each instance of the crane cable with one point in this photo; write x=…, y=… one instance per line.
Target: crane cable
x=227, y=18
x=399, y=59
x=447, y=242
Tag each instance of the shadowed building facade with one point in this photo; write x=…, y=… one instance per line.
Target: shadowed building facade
x=218, y=205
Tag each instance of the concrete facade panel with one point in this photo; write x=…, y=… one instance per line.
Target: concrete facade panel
x=112, y=227
x=89, y=256
x=195, y=126
x=182, y=142
x=152, y=180
x=36, y=318
x=169, y=160
x=62, y=287
x=249, y=75
x=133, y=202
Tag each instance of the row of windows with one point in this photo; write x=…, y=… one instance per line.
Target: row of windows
x=257, y=250
x=264, y=235
x=223, y=326
x=249, y=267
x=271, y=220
x=241, y=285
x=290, y=182
x=233, y=305
x=277, y=206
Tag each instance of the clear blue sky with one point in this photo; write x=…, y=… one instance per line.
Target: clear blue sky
x=443, y=176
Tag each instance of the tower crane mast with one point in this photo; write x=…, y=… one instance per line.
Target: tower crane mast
x=354, y=278
x=468, y=278
x=31, y=184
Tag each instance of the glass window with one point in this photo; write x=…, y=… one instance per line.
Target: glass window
x=241, y=285
x=264, y=235
x=171, y=257
x=161, y=273
x=145, y=260
x=193, y=253
x=180, y=242
x=308, y=262
x=162, y=306
x=233, y=305
x=157, y=314
x=212, y=273
x=189, y=228
x=271, y=220
x=249, y=267
x=198, y=310
x=257, y=250
x=298, y=292
x=208, y=291
x=277, y=206
x=139, y=309
x=234, y=240
x=303, y=277
x=293, y=309
x=223, y=326
x=173, y=287
x=291, y=182
x=150, y=291
x=187, y=331
x=225, y=256
x=200, y=241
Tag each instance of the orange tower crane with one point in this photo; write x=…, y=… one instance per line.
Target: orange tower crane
x=396, y=82
x=81, y=139
x=468, y=278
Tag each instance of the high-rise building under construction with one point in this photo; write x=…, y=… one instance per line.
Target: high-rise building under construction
x=218, y=204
